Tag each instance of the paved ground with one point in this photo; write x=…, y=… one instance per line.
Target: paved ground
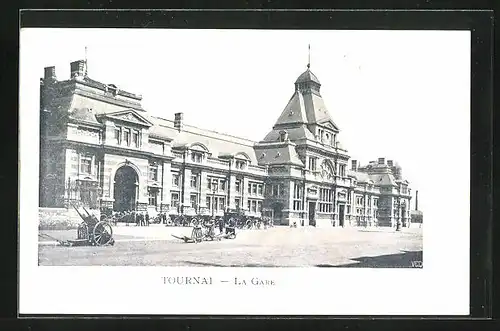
x=275, y=247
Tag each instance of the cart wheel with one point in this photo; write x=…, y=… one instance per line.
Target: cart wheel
x=103, y=233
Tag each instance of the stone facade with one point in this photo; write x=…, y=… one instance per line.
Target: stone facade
x=98, y=145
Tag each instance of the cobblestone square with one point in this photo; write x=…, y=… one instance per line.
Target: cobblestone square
x=274, y=247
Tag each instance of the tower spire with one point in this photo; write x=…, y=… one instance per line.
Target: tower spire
x=309, y=57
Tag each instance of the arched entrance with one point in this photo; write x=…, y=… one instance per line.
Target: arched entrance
x=125, y=189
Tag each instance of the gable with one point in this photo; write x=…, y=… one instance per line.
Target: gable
x=129, y=116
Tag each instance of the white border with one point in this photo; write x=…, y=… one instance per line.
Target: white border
x=440, y=288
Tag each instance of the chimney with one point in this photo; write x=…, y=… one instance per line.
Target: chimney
x=390, y=163
x=416, y=200
x=283, y=136
x=50, y=74
x=381, y=160
x=354, y=165
x=178, y=121
x=77, y=68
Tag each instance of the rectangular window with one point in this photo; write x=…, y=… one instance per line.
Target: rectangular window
x=237, y=185
x=222, y=185
x=312, y=163
x=259, y=206
x=86, y=165
x=249, y=188
x=153, y=172
x=193, y=198
x=254, y=206
x=118, y=135
x=135, y=138
x=196, y=157
x=240, y=164
x=254, y=189
x=259, y=189
x=194, y=181
x=175, y=180
x=209, y=205
x=152, y=196
x=222, y=203
x=249, y=204
x=297, y=196
x=126, y=136
x=237, y=202
x=325, y=200
x=175, y=199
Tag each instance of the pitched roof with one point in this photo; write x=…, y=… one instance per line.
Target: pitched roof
x=316, y=110
x=277, y=153
x=294, y=134
x=218, y=144
x=307, y=76
x=84, y=115
x=294, y=111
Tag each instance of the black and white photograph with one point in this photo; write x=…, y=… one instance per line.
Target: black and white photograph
x=245, y=158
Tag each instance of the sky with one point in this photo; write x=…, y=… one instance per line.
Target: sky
x=402, y=95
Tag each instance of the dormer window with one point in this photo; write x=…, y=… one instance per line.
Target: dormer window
x=196, y=157
x=111, y=89
x=240, y=164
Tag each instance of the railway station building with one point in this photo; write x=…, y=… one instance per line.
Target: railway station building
x=98, y=145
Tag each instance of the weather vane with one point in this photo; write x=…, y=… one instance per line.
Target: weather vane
x=309, y=57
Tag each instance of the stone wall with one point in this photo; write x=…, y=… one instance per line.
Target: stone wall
x=59, y=218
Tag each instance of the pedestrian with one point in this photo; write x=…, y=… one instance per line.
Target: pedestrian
x=221, y=225
x=147, y=219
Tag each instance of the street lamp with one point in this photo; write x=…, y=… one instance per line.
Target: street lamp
x=398, y=222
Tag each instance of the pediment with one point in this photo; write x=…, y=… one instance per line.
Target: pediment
x=330, y=125
x=129, y=116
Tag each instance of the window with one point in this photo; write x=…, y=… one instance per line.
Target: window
x=254, y=189
x=222, y=185
x=216, y=203
x=135, y=138
x=375, y=202
x=297, y=196
x=312, y=163
x=86, y=165
x=254, y=206
x=153, y=172
x=193, y=198
x=342, y=170
x=276, y=190
x=118, y=135
x=152, y=196
x=126, y=136
x=249, y=188
x=259, y=189
x=249, y=203
x=194, y=181
x=222, y=203
x=175, y=180
x=217, y=184
x=239, y=164
x=196, y=157
x=325, y=200
x=175, y=199
x=259, y=206
x=237, y=185
x=237, y=203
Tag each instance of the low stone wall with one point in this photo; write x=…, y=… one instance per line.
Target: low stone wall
x=59, y=218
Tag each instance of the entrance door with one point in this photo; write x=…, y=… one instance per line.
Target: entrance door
x=277, y=213
x=341, y=215
x=125, y=189
x=312, y=213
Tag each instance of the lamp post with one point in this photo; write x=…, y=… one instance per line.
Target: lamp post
x=398, y=222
